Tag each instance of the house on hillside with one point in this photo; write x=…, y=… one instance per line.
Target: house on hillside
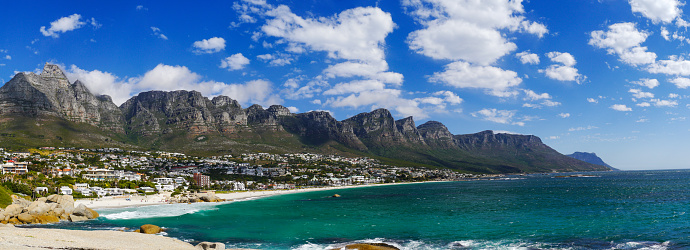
x=65, y=190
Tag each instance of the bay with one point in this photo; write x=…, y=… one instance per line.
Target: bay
x=611, y=210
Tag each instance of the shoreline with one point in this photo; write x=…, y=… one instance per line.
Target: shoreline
x=31, y=238
x=163, y=198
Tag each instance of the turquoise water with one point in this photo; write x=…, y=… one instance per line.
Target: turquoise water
x=617, y=210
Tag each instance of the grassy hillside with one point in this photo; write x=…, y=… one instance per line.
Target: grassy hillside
x=19, y=133
x=5, y=199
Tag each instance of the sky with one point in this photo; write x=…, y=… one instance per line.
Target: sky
x=603, y=76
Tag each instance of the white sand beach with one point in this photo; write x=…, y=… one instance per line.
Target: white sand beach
x=164, y=198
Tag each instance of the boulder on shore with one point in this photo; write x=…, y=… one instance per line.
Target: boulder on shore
x=210, y=246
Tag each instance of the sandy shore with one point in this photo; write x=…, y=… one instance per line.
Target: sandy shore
x=163, y=198
x=40, y=238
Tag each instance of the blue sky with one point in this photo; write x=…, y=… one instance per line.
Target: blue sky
x=606, y=76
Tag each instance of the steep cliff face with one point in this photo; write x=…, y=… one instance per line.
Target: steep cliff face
x=376, y=128
x=487, y=140
x=51, y=94
x=319, y=127
x=407, y=128
x=436, y=135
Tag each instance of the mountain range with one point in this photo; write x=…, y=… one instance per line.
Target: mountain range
x=47, y=110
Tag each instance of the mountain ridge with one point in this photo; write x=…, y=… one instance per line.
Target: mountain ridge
x=189, y=122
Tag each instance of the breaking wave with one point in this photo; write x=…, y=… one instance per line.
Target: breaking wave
x=480, y=244
x=169, y=210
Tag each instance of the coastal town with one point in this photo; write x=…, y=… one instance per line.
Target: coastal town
x=93, y=173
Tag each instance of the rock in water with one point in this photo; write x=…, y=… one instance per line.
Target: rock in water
x=210, y=245
x=75, y=218
x=150, y=229
x=371, y=246
x=91, y=214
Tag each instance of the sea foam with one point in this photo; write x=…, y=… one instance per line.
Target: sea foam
x=171, y=210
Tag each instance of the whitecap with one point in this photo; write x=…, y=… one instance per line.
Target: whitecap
x=171, y=210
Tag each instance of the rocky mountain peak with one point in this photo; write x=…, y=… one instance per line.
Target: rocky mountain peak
x=52, y=71
x=279, y=110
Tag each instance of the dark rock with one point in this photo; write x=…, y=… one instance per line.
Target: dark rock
x=371, y=246
x=210, y=245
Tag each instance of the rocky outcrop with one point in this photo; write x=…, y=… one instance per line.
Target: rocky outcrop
x=196, y=197
x=319, y=127
x=51, y=209
x=436, y=134
x=376, y=128
x=210, y=246
x=51, y=94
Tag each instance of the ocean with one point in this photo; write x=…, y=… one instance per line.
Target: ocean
x=610, y=210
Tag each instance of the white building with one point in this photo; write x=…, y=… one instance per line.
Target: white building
x=100, y=174
x=13, y=167
x=65, y=190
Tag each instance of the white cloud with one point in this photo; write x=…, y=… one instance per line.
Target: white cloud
x=102, y=83
x=208, y=46
x=554, y=137
x=592, y=100
x=62, y=25
x=673, y=66
x=468, y=30
x=643, y=104
x=293, y=109
x=383, y=98
x=664, y=11
x=279, y=59
x=355, y=34
x=234, y=62
x=664, y=103
x=564, y=115
x=673, y=95
x=565, y=71
x=681, y=82
x=8, y=57
x=623, y=39
x=169, y=78
x=620, y=107
x=141, y=7
x=533, y=96
x=494, y=115
x=665, y=33
x=649, y=83
x=638, y=93
x=590, y=127
x=528, y=58
x=449, y=97
x=550, y=103
x=495, y=81
x=355, y=87
x=157, y=32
